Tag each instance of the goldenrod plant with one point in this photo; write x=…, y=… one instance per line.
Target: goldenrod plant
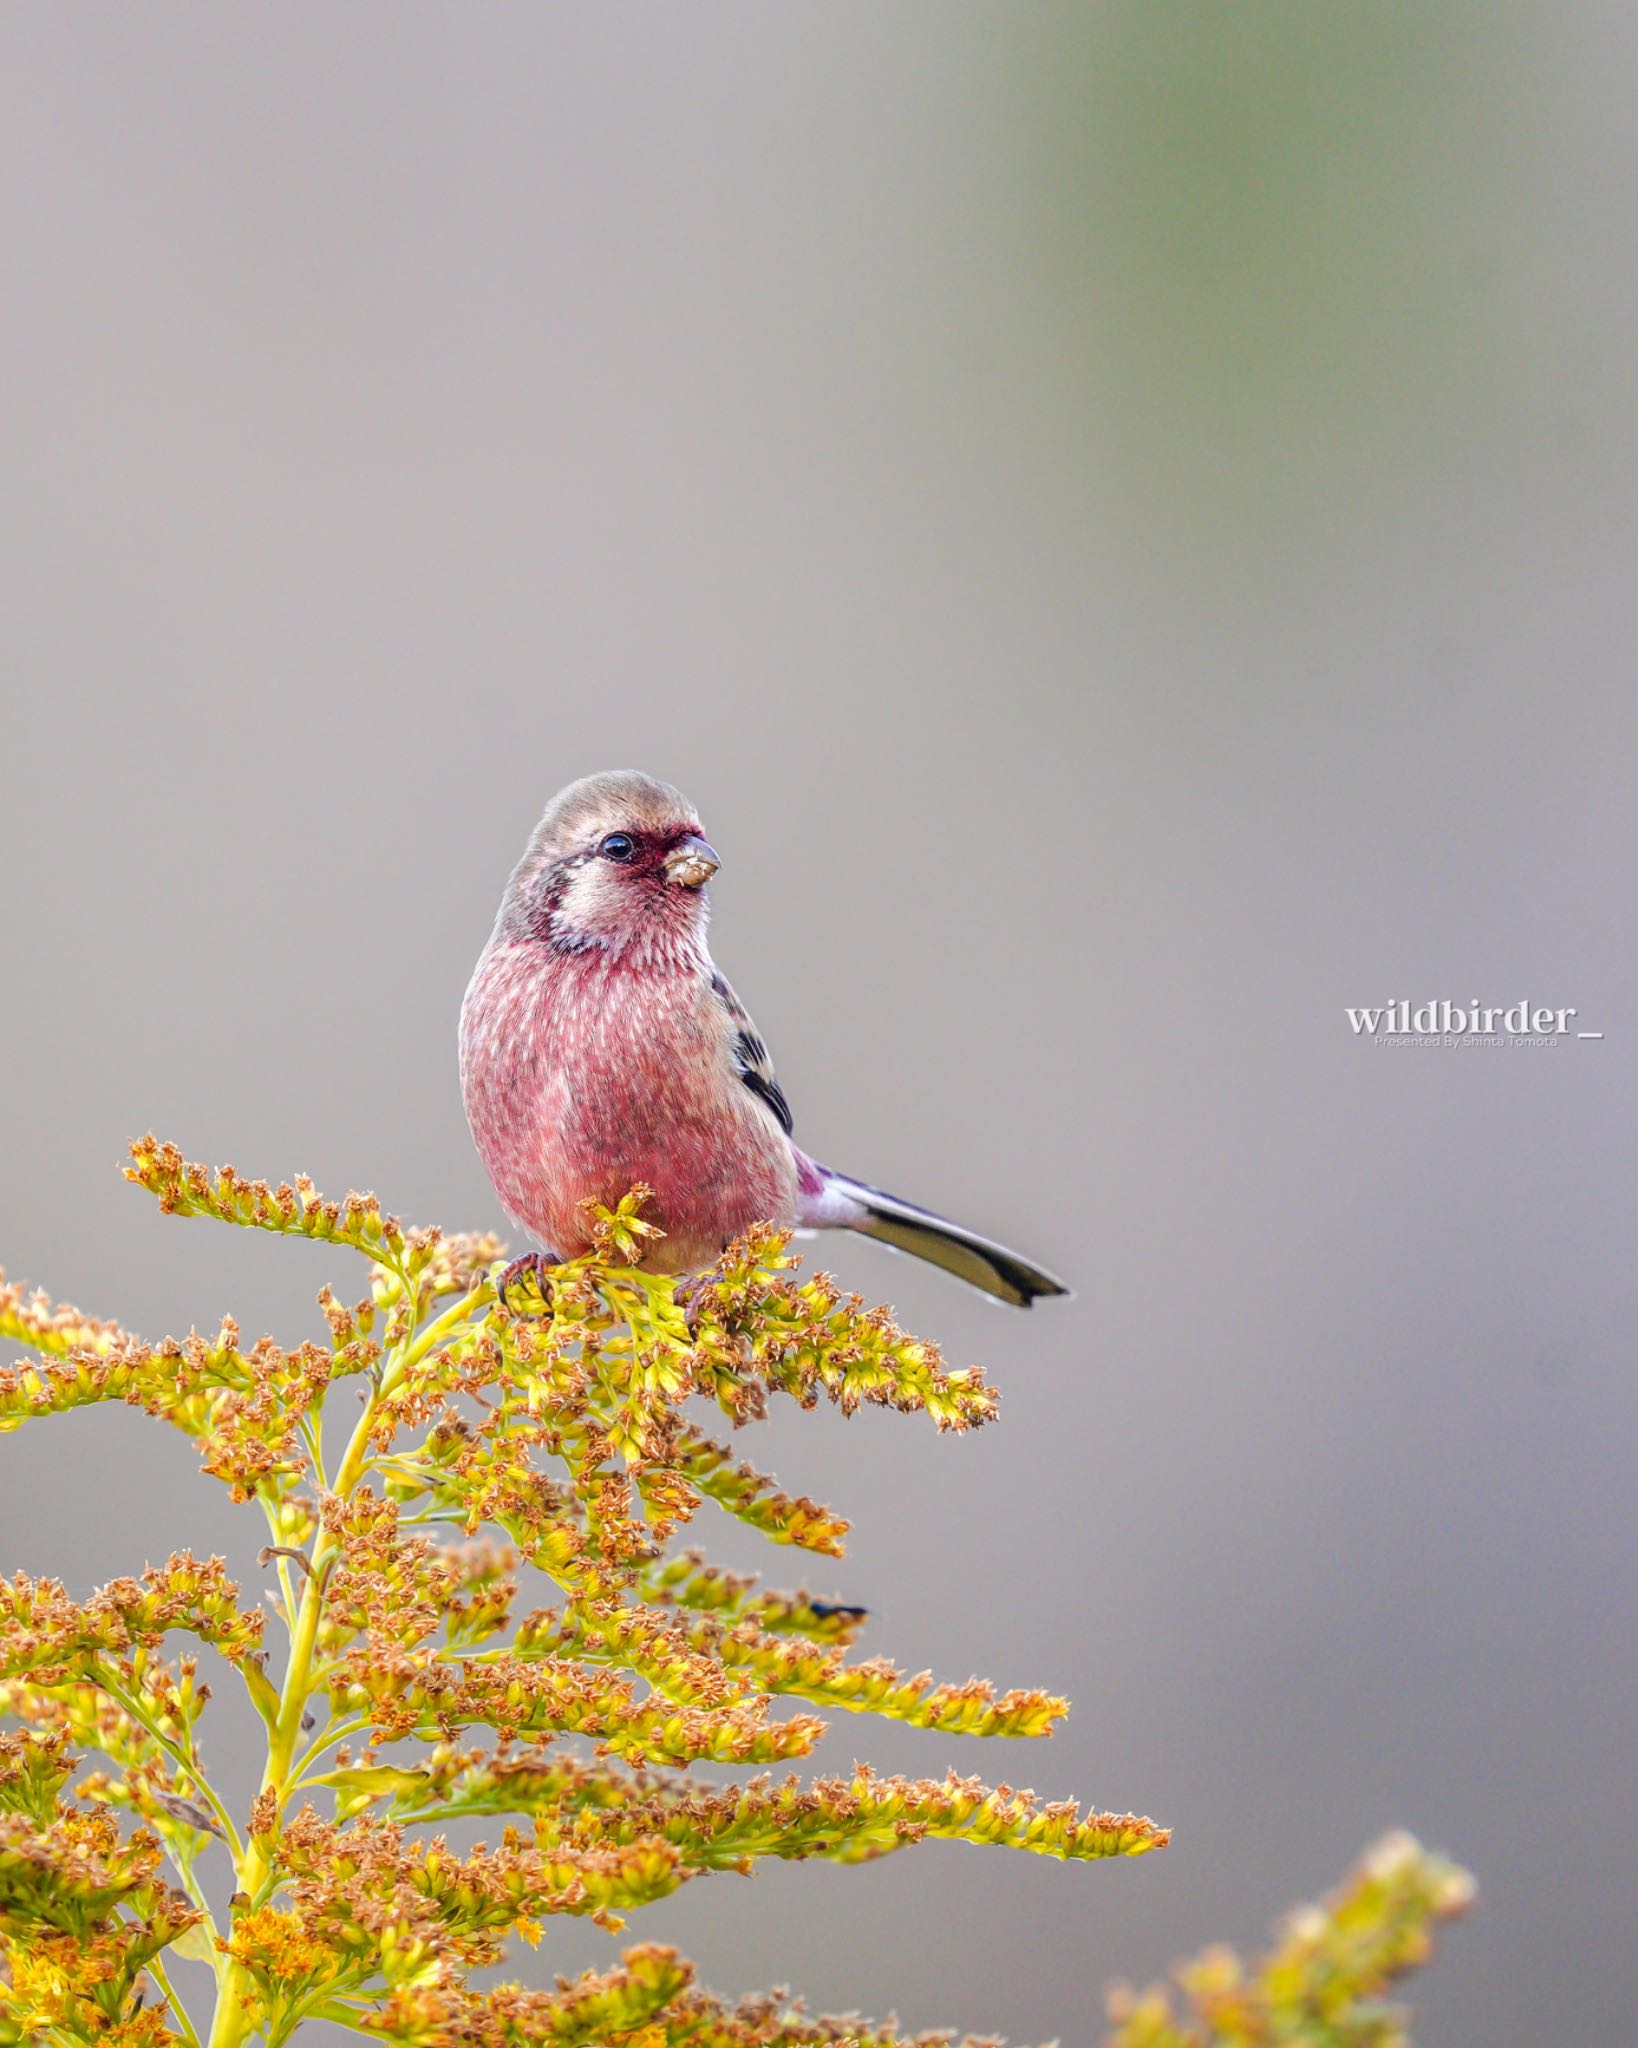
x=396, y=1690
x=1322, y=1984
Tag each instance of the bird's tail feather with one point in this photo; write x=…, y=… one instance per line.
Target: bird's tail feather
x=978, y=1260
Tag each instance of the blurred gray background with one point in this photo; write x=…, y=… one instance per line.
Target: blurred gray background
x=1122, y=516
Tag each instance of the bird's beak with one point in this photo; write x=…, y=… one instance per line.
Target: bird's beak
x=691, y=862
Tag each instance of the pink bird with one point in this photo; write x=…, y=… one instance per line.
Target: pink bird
x=600, y=1047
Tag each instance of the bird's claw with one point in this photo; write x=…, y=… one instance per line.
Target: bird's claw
x=531, y=1265
x=688, y=1295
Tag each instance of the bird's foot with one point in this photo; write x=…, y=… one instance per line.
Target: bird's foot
x=688, y=1295
x=515, y=1295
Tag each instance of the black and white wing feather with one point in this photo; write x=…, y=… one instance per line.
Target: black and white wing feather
x=750, y=1055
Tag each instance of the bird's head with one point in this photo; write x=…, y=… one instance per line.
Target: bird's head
x=618, y=864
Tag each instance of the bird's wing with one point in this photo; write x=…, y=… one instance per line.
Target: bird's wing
x=750, y=1055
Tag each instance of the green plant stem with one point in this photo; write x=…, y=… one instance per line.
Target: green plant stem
x=325, y=2001
x=285, y=1589
x=336, y=1732
x=435, y=1331
x=313, y=1436
x=182, y=1758
x=232, y=2020
x=194, y=1889
x=156, y=1970
x=343, y=2016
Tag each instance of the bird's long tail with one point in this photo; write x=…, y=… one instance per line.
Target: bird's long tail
x=978, y=1260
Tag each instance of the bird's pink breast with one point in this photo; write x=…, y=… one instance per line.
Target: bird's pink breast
x=582, y=1077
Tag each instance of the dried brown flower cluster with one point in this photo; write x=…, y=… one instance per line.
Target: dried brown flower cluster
x=488, y=1438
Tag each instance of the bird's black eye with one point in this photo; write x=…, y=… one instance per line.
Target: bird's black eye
x=618, y=846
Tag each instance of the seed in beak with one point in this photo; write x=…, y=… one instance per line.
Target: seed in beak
x=691, y=862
